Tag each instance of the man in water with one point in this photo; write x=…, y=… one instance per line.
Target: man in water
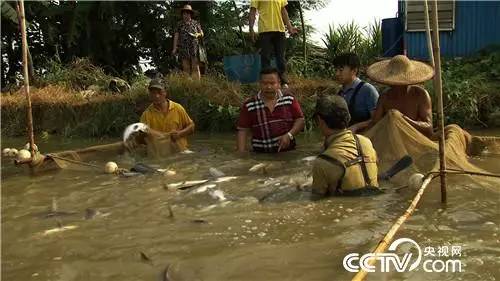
x=348, y=164
x=165, y=117
x=404, y=95
x=360, y=96
x=272, y=117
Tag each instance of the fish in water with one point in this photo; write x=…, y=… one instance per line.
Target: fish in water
x=300, y=181
x=214, y=172
x=166, y=273
x=134, y=128
x=59, y=228
x=146, y=169
x=185, y=184
x=204, y=188
x=187, y=151
x=167, y=172
x=218, y=194
x=130, y=174
x=257, y=167
x=309, y=158
x=199, y=221
x=145, y=258
x=224, y=179
x=93, y=213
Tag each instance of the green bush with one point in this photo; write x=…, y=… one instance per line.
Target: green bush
x=471, y=89
x=365, y=42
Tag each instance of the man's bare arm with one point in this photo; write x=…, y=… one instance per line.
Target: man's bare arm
x=286, y=21
x=187, y=131
x=251, y=22
x=298, y=126
x=241, y=139
x=424, y=122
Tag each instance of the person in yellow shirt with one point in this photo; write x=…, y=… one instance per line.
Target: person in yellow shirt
x=272, y=20
x=164, y=116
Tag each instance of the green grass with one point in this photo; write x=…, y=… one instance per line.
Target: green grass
x=213, y=103
x=470, y=85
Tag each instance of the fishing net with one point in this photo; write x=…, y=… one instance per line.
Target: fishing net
x=393, y=137
x=96, y=156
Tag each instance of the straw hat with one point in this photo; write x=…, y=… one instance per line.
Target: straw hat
x=188, y=8
x=400, y=71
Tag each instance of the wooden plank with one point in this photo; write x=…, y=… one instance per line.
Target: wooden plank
x=421, y=27
x=445, y=15
x=417, y=6
x=415, y=18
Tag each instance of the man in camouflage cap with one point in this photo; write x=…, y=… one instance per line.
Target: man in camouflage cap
x=348, y=164
x=166, y=117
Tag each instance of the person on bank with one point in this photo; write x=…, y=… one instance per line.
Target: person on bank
x=360, y=96
x=273, y=17
x=166, y=117
x=272, y=118
x=187, y=42
x=348, y=164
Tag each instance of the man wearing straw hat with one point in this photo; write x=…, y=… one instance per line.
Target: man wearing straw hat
x=404, y=95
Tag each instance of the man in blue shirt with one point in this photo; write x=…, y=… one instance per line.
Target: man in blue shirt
x=360, y=96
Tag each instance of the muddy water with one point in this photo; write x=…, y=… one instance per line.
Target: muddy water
x=283, y=237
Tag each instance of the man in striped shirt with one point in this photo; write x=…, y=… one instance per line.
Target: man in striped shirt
x=272, y=118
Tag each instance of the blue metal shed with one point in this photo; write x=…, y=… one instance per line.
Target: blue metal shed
x=476, y=26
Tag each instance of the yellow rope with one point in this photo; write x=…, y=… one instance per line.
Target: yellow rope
x=74, y=161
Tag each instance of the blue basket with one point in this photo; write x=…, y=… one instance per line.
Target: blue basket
x=242, y=68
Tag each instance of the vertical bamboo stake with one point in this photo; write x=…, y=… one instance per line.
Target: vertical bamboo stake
x=439, y=92
x=31, y=137
x=428, y=32
x=239, y=25
x=304, y=41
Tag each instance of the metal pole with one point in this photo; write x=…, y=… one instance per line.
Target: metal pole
x=428, y=32
x=438, y=90
x=31, y=136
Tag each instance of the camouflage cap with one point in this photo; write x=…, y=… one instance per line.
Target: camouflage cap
x=333, y=106
x=157, y=83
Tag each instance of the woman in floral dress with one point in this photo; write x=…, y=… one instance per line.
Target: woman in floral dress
x=186, y=42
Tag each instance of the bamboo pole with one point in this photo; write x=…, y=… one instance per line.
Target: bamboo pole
x=31, y=71
x=384, y=243
x=304, y=41
x=31, y=136
x=438, y=90
x=237, y=11
x=428, y=32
